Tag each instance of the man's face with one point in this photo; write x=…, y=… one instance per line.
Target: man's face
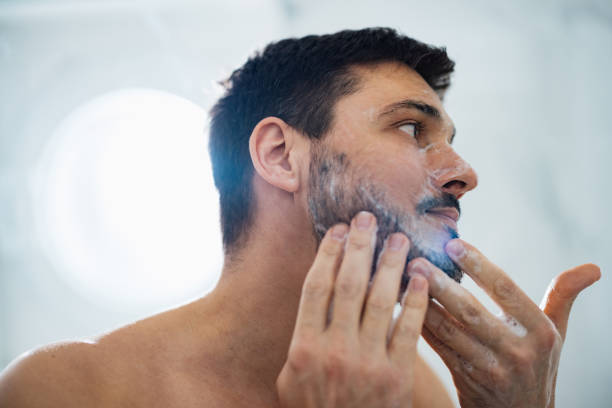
x=389, y=152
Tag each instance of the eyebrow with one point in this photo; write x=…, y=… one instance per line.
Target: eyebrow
x=426, y=108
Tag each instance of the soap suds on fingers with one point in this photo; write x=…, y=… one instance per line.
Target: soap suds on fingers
x=514, y=326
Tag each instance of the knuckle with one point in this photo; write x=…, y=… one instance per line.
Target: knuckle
x=504, y=289
x=379, y=306
x=470, y=314
x=414, y=303
x=348, y=286
x=380, y=375
x=315, y=288
x=359, y=242
x=446, y=330
x=368, y=369
x=330, y=248
x=395, y=382
x=301, y=356
x=407, y=330
x=499, y=376
x=336, y=365
x=283, y=382
x=391, y=260
x=548, y=337
x=522, y=358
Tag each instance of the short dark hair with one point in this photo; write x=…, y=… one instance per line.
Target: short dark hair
x=299, y=80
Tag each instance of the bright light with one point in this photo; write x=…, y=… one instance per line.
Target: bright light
x=128, y=212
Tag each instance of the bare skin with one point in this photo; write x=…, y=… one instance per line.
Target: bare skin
x=355, y=356
x=237, y=346
x=501, y=361
x=171, y=359
x=228, y=348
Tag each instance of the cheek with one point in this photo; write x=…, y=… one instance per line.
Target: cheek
x=399, y=168
x=350, y=126
x=403, y=176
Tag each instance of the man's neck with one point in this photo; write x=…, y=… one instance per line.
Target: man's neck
x=248, y=319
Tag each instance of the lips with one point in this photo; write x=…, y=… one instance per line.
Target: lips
x=448, y=215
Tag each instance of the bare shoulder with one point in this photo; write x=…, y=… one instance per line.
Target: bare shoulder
x=131, y=365
x=62, y=374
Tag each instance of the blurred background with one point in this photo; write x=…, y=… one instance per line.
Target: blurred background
x=107, y=206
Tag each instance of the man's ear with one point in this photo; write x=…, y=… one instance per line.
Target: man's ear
x=273, y=151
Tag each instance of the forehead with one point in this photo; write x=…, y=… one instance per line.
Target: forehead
x=384, y=84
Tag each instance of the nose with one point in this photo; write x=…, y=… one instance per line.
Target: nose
x=453, y=174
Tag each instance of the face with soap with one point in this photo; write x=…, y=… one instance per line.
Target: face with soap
x=389, y=151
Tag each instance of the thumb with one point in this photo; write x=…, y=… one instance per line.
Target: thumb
x=562, y=291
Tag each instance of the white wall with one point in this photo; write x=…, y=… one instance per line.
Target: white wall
x=530, y=100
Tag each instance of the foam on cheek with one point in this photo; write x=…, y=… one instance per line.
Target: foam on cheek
x=426, y=233
x=428, y=187
x=332, y=187
x=425, y=190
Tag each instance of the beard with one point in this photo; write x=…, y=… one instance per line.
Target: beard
x=337, y=192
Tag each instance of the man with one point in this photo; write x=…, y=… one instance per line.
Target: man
x=339, y=195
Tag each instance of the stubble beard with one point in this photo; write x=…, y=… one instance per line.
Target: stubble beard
x=337, y=193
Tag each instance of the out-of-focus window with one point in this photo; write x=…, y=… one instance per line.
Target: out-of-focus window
x=127, y=203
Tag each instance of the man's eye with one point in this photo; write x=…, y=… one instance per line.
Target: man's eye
x=411, y=128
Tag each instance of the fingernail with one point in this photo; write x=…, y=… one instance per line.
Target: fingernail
x=339, y=232
x=364, y=220
x=396, y=242
x=417, y=283
x=455, y=249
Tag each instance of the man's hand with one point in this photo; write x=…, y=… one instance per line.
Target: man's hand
x=348, y=359
x=507, y=361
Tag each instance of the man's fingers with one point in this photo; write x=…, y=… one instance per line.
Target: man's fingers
x=381, y=300
x=450, y=332
x=449, y=356
x=508, y=295
x=319, y=283
x=460, y=303
x=354, y=274
x=402, y=346
x=465, y=374
x=563, y=290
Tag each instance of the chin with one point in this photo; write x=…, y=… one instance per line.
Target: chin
x=429, y=243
